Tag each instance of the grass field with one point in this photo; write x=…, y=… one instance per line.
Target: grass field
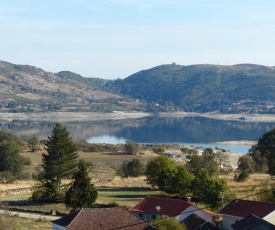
x=112, y=189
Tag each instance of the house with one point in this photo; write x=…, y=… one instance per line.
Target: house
x=238, y=209
x=101, y=219
x=194, y=222
x=253, y=222
x=151, y=208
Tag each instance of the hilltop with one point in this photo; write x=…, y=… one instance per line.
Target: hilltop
x=26, y=88
x=202, y=88
x=243, y=88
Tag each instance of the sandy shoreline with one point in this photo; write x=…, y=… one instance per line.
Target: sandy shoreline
x=71, y=116
x=245, y=117
x=93, y=116
x=242, y=142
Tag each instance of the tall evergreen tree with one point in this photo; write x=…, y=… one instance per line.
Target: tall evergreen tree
x=81, y=194
x=60, y=161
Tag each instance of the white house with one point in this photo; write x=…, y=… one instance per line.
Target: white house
x=151, y=208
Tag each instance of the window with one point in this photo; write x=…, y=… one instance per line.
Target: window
x=154, y=217
x=140, y=215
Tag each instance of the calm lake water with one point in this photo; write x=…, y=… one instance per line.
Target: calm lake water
x=195, y=131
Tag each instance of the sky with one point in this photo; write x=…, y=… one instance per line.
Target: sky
x=113, y=39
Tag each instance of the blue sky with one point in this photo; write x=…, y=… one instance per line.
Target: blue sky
x=116, y=38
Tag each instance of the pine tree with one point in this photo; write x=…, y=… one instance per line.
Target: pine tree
x=81, y=194
x=59, y=162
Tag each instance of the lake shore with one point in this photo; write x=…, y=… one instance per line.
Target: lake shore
x=116, y=115
x=245, y=117
x=71, y=116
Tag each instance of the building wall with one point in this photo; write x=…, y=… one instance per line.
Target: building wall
x=227, y=221
x=147, y=216
x=58, y=227
x=206, y=216
x=270, y=218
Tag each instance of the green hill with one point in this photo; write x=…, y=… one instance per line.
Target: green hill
x=202, y=88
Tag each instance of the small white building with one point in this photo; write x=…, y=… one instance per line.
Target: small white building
x=151, y=208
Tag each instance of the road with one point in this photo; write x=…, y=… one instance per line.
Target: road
x=30, y=215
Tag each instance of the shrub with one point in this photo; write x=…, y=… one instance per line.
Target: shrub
x=26, y=161
x=133, y=168
x=7, y=177
x=243, y=176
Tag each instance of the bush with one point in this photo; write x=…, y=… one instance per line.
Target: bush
x=7, y=177
x=243, y=176
x=26, y=161
x=24, y=176
x=131, y=148
x=158, y=149
x=133, y=168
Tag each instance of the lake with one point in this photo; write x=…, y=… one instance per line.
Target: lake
x=195, y=131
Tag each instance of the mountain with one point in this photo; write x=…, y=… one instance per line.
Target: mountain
x=202, y=88
x=199, y=88
x=26, y=88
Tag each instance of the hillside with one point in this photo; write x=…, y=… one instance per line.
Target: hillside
x=26, y=88
x=202, y=88
x=199, y=88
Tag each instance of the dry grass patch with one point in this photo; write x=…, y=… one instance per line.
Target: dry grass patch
x=9, y=223
x=248, y=187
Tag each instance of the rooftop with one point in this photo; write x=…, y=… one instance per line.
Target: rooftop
x=102, y=219
x=161, y=206
x=243, y=208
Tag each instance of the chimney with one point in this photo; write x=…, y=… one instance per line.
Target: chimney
x=188, y=199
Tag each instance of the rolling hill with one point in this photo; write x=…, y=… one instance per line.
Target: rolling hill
x=202, y=88
x=26, y=88
x=199, y=88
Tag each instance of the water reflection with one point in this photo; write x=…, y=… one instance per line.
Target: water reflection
x=107, y=139
x=188, y=130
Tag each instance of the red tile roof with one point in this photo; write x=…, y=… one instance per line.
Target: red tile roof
x=102, y=219
x=161, y=206
x=243, y=208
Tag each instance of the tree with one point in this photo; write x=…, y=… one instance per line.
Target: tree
x=59, y=162
x=81, y=194
x=168, y=223
x=131, y=148
x=155, y=167
x=210, y=189
x=175, y=180
x=243, y=176
x=207, y=161
x=133, y=168
x=10, y=159
x=260, y=162
x=222, y=159
x=163, y=173
x=246, y=163
x=33, y=143
x=9, y=137
x=266, y=148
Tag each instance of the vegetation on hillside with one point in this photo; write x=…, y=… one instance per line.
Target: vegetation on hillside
x=202, y=88
x=199, y=88
x=26, y=88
